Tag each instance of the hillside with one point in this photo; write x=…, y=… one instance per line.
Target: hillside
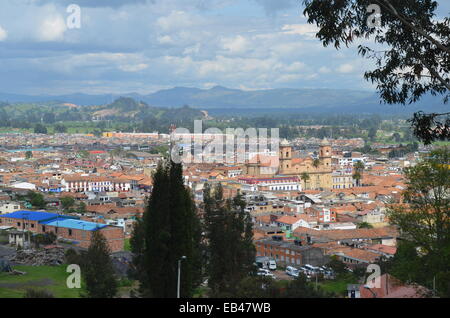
x=310, y=100
x=123, y=110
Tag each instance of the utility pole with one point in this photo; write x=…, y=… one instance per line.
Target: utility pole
x=179, y=275
x=25, y=218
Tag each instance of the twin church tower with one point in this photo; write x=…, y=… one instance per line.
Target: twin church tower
x=316, y=174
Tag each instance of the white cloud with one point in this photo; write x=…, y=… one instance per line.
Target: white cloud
x=234, y=45
x=176, y=20
x=324, y=70
x=134, y=68
x=300, y=29
x=296, y=67
x=52, y=28
x=168, y=43
x=3, y=34
x=165, y=39
x=346, y=68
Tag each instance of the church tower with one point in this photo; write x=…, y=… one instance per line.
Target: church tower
x=325, y=154
x=254, y=168
x=285, y=157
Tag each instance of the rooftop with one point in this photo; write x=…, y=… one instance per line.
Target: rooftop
x=76, y=224
x=32, y=215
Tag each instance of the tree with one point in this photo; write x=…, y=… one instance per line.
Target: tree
x=372, y=133
x=67, y=202
x=337, y=265
x=301, y=288
x=137, y=244
x=48, y=118
x=365, y=225
x=28, y=155
x=396, y=137
x=305, y=177
x=36, y=199
x=316, y=163
x=416, y=61
x=46, y=239
x=424, y=223
x=258, y=287
x=37, y=293
x=60, y=128
x=170, y=230
x=98, y=271
x=358, y=169
x=81, y=208
x=40, y=129
x=229, y=232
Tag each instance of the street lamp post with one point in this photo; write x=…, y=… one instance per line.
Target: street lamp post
x=179, y=275
x=25, y=218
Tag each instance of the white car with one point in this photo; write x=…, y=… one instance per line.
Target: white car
x=272, y=265
x=292, y=271
x=265, y=272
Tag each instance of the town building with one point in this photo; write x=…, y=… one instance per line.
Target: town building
x=72, y=229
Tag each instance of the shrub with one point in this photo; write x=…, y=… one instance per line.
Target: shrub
x=38, y=293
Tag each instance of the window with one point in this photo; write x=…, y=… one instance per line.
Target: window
x=43, y=228
x=70, y=232
x=32, y=225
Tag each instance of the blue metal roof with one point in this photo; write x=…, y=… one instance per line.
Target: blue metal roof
x=75, y=224
x=31, y=215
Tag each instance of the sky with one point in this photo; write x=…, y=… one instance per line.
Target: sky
x=142, y=46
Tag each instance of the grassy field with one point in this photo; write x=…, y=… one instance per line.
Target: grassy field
x=339, y=285
x=51, y=278
x=127, y=245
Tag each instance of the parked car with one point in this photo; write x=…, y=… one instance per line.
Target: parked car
x=312, y=270
x=304, y=270
x=265, y=272
x=272, y=265
x=292, y=271
x=327, y=272
x=261, y=262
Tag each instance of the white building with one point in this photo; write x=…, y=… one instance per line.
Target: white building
x=9, y=207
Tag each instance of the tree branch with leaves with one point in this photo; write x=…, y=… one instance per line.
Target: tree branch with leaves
x=414, y=61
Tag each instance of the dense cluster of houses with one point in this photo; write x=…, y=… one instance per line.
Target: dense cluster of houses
x=305, y=210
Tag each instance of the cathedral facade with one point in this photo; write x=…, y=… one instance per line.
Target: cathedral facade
x=316, y=174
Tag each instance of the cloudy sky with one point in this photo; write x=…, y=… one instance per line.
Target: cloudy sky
x=145, y=45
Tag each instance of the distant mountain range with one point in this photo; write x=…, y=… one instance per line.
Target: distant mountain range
x=305, y=100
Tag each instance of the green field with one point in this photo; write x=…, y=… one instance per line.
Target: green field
x=51, y=278
x=127, y=245
x=339, y=285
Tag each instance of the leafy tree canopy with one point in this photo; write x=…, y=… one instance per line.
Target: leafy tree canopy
x=412, y=53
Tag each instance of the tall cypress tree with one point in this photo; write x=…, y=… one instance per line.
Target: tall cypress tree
x=231, y=253
x=169, y=230
x=97, y=269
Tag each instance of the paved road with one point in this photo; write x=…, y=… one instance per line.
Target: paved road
x=281, y=275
